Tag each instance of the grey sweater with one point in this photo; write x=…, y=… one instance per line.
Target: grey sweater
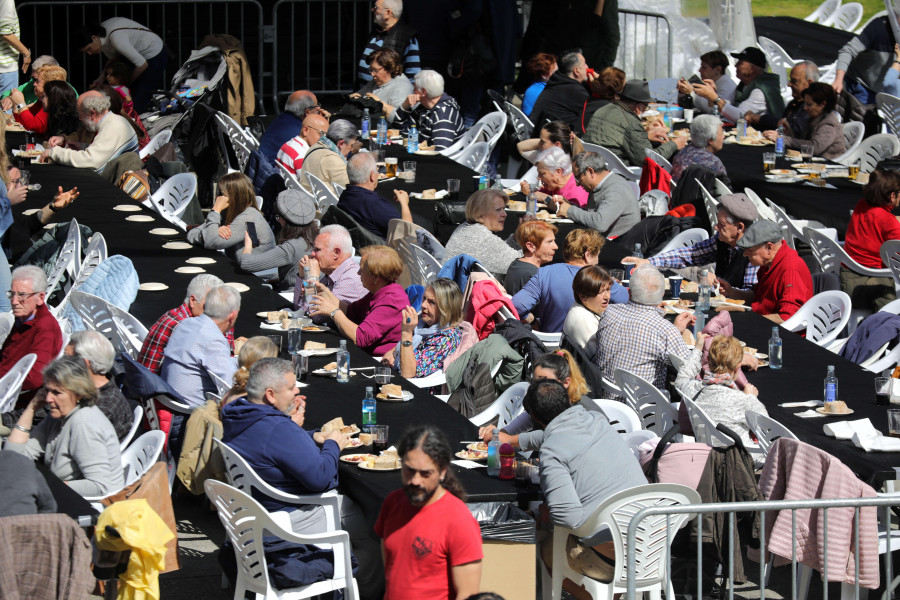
x=207, y=235
x=81, y=449
x=394, y=92
x=30, y=494
x=583, y=462
x=612, y=209
x=284, y=257
x=480, y=243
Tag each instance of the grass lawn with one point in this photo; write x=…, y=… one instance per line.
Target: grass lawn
x=773, y=8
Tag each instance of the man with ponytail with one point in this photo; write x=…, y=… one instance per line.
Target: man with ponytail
x=427, y=531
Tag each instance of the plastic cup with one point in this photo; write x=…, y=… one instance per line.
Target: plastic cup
x=617, y=274
x=893, y=415
x=301, y=366
x=689, y=115
x=409, y=168
x=276, y=339
x=675, y=286
x=382, y=375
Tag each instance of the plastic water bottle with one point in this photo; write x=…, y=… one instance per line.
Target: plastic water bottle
x=493, y=459
x=742, y=127
x=779, y=141
x=530, y=205
x=412, y=140
x=382, y=132
x=638, y=253
x=775, y=350
x=366, y=125
x=831, y=386
x=700, y=319
x=369, y=414
x=703, y=291
x=309, y=288
x=343, y=363
x=483, y=179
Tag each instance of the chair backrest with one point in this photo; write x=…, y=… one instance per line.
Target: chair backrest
x=155, y=143
x=788, y=228
x=474, y=156
x=711, y=204
x=854, y=132
x=140, y=456
x=847, y=17
x=6, y=323
x=658, y=159
x=425, y=266
x=826, y=251
x=494, y=123
x=325, y=196
x=655, y=410
x=136, y=417
x=705, y=431
x=664, y=89
x=174, y=195
x=766, y=429
x=719, y=188
x=338, y=189
x=131, y=331
x=890, y=256
x=613, y=162
x=621, y=416
x=472, y=135
x=824, y=316
x=873, y=150
x=11, y=383
x=824, y=12
x=68, y=260
x=762, y=208
x=889, y=109
x=507, y=407
x=685, y=239
x=779, y=60
x=96, y=315
x=521, y=124
x=222, y=386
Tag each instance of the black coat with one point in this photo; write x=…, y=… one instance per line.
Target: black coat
x=562, y=100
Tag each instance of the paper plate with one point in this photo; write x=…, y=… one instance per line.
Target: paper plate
x=405, y=396
x=190, y=270
x=127, y=207
x=241, y=287
x=30, y=211
x=356, y=458
x=153, y=286
x=164, y=231
x=438, y=195
x=325, y=372
x=363, y=466
x=426, y=152
x=139, y=218
x=201, y=260
x=177, y=246
x=822, y=411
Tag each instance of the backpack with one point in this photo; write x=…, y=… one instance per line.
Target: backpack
x=522, y=341
x=476, y=391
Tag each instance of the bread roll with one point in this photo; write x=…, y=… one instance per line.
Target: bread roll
x=429, y=194
x=335, y=424
x=310, y=345
x=391, y=389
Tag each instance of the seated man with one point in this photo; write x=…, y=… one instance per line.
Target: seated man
x=758, y=92
x=577, y=449
x=99, y=356
x=617, y=127
x=289, y=123
x=198, y=347
x=268, y=420
x=35, y=331
x=390, y=34
x=151, y=355
x=612, y=207
x=113, y=137
x=294, y=150
x=564, y=96
x=435, y=114
x=714, y=66
x=785, y=282
x=361, y=202
x=331, y=264
x=795, y=117
x=327, y=158
x=735, y=214
x=707, y=139
x=636, y=336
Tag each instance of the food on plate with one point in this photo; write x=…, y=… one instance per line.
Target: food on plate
x=683, y=303
x=393, y=133
x=472, y=454
x=756, y=141
x=836, y=407
x=690, y=287
x=515, y=205
x=332, y=366
x=544, y=215
x=356, y=458
x=310, y=345
x=391, y=389
x=275, y=316
x=286, y=323
x=750, y=350
x=792, y=153
x=337, y=424
x=481, y=446
x=425, y=148
x=734, y=301
x=310, y=328
x=429, y=194
x=388, y=461
x=862, y=178
x=366, y=439
x=355, y=442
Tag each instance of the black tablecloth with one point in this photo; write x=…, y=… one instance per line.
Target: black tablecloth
x=803, y=40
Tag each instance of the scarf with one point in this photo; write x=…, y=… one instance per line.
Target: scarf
x=725, y=379
x=421, y=332
x=333, y=147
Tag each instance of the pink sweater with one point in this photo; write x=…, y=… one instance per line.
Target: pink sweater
x=572, y=192
x=795, y=471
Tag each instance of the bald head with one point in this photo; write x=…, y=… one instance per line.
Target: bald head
x=299, y=102
x=314, y=127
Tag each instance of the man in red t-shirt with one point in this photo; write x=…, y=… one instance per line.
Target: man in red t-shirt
x=431, y=543
x=784, y=281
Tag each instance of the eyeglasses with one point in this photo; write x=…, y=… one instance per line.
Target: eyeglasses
x=373, y=69
x=315, y=107
x=20, y=295
x=319, y=131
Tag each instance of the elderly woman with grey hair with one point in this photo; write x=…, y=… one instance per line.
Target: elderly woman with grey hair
x=99, y=355
x=327, y=158
x=435, y=114
x=554, y=167
x=76, y=440
x=707, y=138
x=477, y=237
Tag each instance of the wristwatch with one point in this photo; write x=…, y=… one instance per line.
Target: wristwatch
x=406, y=343
x=20, y=107
x=334, y=312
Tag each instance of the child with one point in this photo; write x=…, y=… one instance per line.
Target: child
x=118, y=75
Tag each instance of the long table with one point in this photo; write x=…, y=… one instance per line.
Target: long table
x=803, y=40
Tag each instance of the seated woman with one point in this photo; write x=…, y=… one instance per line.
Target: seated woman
x=373, y=321
x=559, y=366
x=76, y=440
x=59, y=102
x=554, y=133
x=549, y=292
x=554, y=169
x=825, y=130
x=707, y=139
x=591, y=289
x=538, y=242
x=871, y=224
x=34, y=117
x=716, y=393
x=253, y=349
x=485, y=216
x=237, y=200
x=541, y=66
x=388, y=84
x=604, y=89
x=299, y=228
x=427, y=340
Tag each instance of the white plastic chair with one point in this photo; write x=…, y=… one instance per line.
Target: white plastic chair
x=766, y=429
x=658, y=159
x=131, y=331
x=6, y=324
x=824, y=12
x=222, y=386
x=505, y=408
x=493, y=125
x=676, y=361
x=686, y=239
x=11, y=383
x=136, y=417
x=652, y=543
x=823, y=317
x=68, y=260
x=474, y=156
x=889, y=109
x=779, y=61
x=873, y=150
x=290, y=179
x=324, y=194
x=705, y=431
x=173, y=197
x=847, y=17
x=854, y=132
x=551, y=340
x=620, y=415
x=155, y=143
x=140, y=456
x=762, y=208
x=520, y=122
x=338, y=189
x=472, y=135
x=831, y=255
x=890, y=256
x=664, y=89
x=789, y=228
x=711, y=204
x=96, y=315
x=656, y=412
x=94, y=255
x=424, y=266
x=246, y=522
x=613, y=162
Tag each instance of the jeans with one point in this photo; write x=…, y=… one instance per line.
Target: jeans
x=149, y=81
x=8, y=81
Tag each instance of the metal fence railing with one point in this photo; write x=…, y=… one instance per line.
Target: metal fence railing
x=645, y=45
x=882, y=503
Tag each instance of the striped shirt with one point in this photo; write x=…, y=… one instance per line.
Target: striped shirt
x=292, y=153
x=344, y=282
x=701, y=253
x=9, y=25
x=392, y=38
x=441, y=125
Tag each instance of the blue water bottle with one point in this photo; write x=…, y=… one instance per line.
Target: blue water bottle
x=412, y=140
x=779, y=141
x=382, y=132
x=366, y=125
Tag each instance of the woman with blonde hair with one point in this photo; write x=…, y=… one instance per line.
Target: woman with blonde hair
x=233, y=213
x=35, y=117
x=253, y=349
x=477, y=237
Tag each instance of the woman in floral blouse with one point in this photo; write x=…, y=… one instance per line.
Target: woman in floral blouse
x=426, y=340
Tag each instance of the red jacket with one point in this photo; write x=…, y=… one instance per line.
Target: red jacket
x=783, y=286
x=483, y=306
x=654, y=177
x=34, y=118
x=42, y=336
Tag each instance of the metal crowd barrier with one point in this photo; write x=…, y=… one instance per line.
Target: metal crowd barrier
x=883, y=503
x=645, y=45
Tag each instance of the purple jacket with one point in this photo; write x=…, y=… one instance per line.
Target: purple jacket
x=378, y=317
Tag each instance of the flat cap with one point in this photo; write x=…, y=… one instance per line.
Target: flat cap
x=740, y=207
x=296, y=208
x=759, y=233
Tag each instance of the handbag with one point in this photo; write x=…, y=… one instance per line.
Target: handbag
x=136, y=184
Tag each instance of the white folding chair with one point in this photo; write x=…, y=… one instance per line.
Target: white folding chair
x=824, y=12
x=474, y=156
x=493, y=125
x=658, y=159
x=472, y=135
x=655, y=410
x=664, y=89
x=620, y=415
x=686, y=239
x=652, y=543
x=854, y=132
x=68, y=260
x=873, y=150
x=324, y=194
x=173, y=197
x=780, y=61
x=136, y=417
x=521, y=124
x=551, y=340
x=6, y=324
x=505, y=408
x=11, y=383
x=823, y=317
x=766, y=429
x=847, y=17
x=613, y=162
x=246, y=522
x=140, y=456
x=711, y=204
x=155, y=143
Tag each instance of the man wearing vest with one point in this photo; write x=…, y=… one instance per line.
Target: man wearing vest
x=391, y=34
x=758, y=92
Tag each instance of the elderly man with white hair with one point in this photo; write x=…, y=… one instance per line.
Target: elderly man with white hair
x=113, y=136
x=391, y=34
x=361, y=202
x=636, y=336
x=198, y=347
x=435, y=114
x=289, y=124
x=612, y=207
x=331, y=263
x=35, y=330
x=707, y=139
x=99, y=355
x=327, y=158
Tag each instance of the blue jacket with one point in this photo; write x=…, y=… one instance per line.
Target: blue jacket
x=458, y=269
x=370, y=210
x=282, y=128
x=284, y=455
x=870, y=335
